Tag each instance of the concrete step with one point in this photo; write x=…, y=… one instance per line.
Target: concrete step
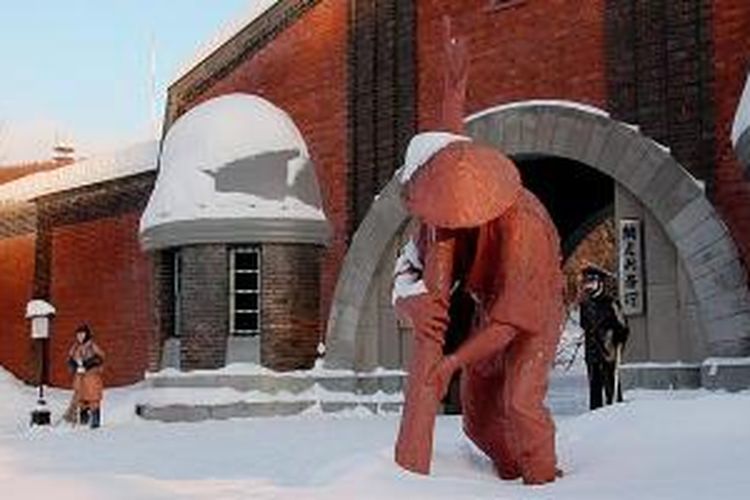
x=256, y=409
x=272, y=384
x=252, y=392
x=730, y=374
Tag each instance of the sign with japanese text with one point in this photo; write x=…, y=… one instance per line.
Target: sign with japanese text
x=631, y=267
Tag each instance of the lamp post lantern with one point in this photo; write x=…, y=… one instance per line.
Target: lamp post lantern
x=40, y=312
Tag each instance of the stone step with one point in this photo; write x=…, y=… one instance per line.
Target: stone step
x=275, y=383
x=253, y=409
x=173, y=396
x=730, y=374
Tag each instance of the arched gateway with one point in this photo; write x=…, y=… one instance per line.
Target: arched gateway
x=697, y=297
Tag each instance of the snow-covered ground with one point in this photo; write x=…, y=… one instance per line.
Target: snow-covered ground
x=682, y=445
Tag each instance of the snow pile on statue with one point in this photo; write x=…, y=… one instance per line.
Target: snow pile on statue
x=486, y=243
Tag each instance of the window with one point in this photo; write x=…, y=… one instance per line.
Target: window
x=244, y=291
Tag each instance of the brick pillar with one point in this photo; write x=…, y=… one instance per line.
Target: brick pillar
x=289, y=300
x=162, y=305
x=660, y=76
x=18, y=254
x=382, y=96
x=731, y=39
x=205, y=306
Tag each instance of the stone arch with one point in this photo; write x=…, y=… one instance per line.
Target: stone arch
x=645, y=168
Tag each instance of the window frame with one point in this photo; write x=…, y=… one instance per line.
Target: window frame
x=233, y=291
x=176, y=292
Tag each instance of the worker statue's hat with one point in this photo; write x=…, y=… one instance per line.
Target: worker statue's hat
x=451, y=182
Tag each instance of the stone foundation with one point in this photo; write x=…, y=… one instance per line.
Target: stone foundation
x=730, y=374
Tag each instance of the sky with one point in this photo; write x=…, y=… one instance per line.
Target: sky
x=79, y=71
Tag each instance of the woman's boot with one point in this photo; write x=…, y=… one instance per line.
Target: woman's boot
x=95, y=418
x=83, y=416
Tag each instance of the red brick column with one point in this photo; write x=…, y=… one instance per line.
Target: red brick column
x=205, y=306
x=290, y=315
x=731, y=51
x=17, y=353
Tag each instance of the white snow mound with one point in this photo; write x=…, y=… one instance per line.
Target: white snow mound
x=221, y=134
x=38, y=307
x=688, y=445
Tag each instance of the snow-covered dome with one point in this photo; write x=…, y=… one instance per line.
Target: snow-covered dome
x=741, y=127
x=234, y=169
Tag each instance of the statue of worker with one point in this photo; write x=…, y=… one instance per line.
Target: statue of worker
x=481, y=234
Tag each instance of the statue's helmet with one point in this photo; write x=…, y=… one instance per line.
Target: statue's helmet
x=451, y=182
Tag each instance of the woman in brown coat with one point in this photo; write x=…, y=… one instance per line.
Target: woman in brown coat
x=85, y=359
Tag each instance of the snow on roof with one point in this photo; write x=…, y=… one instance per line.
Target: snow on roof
x=252, y=11
x=234, y=157
x=123, y=163
x=10, y=173
x=742, y=118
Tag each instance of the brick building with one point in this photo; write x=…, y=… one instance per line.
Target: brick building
x=70, y=236
x=236, y=227
x=616, y=109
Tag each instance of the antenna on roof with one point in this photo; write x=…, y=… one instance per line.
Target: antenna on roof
x=152, y=93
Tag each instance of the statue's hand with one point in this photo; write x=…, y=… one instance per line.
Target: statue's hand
x=427, y=314
x=441, y=375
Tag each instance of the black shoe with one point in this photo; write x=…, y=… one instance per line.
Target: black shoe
x=96, y=416
x=83, y=416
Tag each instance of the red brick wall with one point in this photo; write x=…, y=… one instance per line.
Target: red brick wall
x=537, y=49
x=101, y=277
x=731, y=31
x=204, y=306
x=545, y=49
x=534, y=49
x=303, y=71
x=16, y=283
x=289, y=307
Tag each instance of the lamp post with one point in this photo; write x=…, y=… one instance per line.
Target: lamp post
x=40, y=312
